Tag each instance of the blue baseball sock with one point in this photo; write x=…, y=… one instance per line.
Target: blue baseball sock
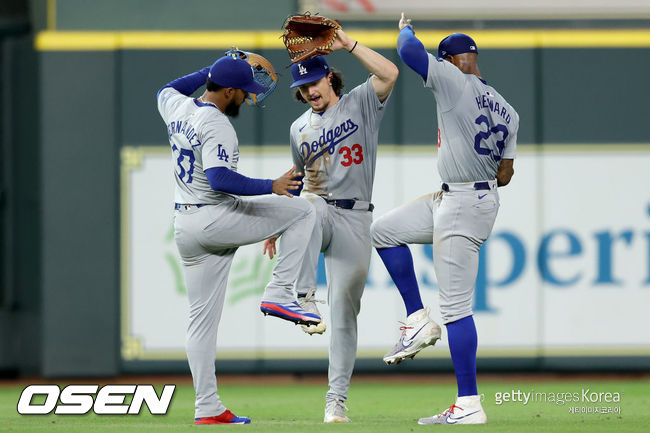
x=462, y=345
x=399, y=262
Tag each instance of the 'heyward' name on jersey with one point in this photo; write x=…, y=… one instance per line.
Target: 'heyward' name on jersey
x=477, y=126
x=486, y=101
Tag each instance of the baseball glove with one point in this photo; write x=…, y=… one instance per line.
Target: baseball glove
x=309, y=36
x=263, y=72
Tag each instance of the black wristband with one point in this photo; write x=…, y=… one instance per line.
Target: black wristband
x=355, y=45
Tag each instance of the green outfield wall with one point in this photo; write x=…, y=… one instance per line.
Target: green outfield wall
x=20, y=194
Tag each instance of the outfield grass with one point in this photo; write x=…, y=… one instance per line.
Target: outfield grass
x=374, y=407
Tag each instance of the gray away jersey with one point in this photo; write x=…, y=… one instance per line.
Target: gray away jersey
x=337, y=150
x=477, y=126
x=201, y=137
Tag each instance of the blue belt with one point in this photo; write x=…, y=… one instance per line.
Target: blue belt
x=178, y=206
x=348, y=204
x=478, y=186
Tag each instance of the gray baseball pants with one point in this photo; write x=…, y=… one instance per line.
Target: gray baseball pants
x=343, y=235
x=207, y=239
x=457, y=223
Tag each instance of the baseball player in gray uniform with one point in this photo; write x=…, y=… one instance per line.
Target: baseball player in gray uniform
x=335, y=143
x=477, y=140
x=211, y=221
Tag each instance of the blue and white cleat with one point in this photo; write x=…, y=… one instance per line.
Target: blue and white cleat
x=225, y=418
x=292, y=312
x=466, y=410
x=418, y=332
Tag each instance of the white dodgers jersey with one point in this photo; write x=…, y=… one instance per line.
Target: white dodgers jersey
x=201, y=137
x=477, y=127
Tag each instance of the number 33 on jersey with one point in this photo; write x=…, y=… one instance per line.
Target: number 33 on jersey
x=338, y=148
x=348, y=158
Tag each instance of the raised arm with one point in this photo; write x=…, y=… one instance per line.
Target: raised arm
x=411, y=50
x=189, y=83
x=383, y=70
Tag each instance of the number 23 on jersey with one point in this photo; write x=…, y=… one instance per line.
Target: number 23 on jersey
x=484, y=135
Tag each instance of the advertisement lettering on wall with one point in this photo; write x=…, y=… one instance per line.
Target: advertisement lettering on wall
x=567, y=266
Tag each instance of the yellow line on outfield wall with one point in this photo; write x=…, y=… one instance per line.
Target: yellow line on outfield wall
x=154, y=40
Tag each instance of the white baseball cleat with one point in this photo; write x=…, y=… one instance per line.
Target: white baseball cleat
x=418, y=332
x=308, y=303
x=466, y=410
x=335, y=412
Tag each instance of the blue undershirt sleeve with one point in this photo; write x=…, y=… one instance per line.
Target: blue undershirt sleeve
x=412, y=52
x=189, y=83
x=226, y=180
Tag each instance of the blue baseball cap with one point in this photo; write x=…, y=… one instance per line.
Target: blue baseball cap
x=456, y=43
x=230, y=71
x=308, y=71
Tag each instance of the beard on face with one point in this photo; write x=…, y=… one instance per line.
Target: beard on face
x=232, y=109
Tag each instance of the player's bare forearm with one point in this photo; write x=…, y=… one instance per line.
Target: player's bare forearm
x=383, y=70
x=505, y=172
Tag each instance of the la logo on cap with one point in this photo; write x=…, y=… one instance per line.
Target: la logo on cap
x=472, y=47
x=302, y=69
